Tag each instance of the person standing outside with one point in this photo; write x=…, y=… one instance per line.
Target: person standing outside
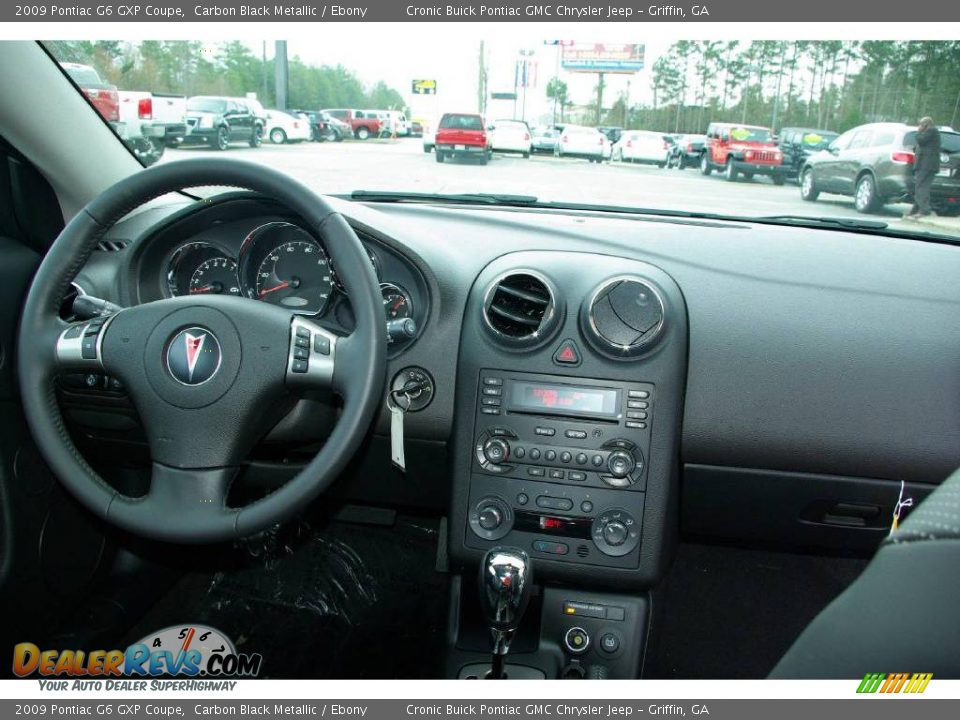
x=926, y=165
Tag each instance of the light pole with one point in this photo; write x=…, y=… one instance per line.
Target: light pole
x=746, y=89
x=526, y=81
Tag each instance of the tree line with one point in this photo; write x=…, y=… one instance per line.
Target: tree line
x=228, y=68
x=829, y=84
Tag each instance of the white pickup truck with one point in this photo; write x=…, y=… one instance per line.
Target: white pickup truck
x=153, y=122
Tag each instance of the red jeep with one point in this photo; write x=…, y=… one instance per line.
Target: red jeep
x=462, y=135
x=747, y=149
x=102, y=96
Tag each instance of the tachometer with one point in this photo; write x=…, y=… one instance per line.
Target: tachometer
x=216, y=276
x=199, y=267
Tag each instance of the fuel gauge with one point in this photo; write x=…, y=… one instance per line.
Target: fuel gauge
x=396, y=302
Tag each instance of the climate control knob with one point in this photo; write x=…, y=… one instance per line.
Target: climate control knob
x=489, y=518
x=620, y=463
x=615, y=533
x=496, y=451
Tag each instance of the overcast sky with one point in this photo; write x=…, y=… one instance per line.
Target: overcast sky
x=452, y=60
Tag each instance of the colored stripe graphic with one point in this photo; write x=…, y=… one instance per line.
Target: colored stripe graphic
x=894, y=683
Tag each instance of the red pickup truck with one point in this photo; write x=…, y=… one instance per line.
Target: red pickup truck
x=364, y=123
x=748, y=149
x=462, y=135
x=102, y=96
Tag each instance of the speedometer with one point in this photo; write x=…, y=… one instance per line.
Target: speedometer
x=282, y=264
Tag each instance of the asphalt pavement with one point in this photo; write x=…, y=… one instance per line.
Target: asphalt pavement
x=402, y=165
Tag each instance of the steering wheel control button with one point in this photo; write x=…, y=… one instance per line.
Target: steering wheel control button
x=554, y=503
x=609, y=643
x=567, y=354
x=615, y=532
x=576, y=640
x=194, y=356
x=491, y=518
x=300, y=366
x=321, y=344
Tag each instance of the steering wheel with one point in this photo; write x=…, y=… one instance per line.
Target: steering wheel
x=203, y=372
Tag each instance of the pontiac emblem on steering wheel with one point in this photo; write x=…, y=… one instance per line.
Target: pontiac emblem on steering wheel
x=193, y=356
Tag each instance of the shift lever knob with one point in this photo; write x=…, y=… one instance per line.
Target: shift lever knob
x=505, y=585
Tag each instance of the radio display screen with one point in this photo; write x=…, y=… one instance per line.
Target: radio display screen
x=550, y=399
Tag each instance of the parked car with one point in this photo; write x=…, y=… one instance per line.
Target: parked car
x=642, y=146
x=742, y=149
x=613, y=133
x=685, y=151
x=584, y=142
x=462, y=135
x=416, y=127
x=218, y=121
x=797, y=144
x=544, y=140
x=102, y=95
x=363, y=123
x=323, y=127
x=874, y=164
x=283, y=127
x=510, y=136
x=152, y=122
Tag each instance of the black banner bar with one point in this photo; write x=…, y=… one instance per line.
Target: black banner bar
x=736, y=11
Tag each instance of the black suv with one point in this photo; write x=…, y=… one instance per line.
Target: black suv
x=874, y=164
x=798, y=143
x=219, y=121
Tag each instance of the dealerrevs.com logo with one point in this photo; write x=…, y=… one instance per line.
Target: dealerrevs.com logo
x=180, y=650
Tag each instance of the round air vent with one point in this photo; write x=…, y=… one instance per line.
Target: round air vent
x=521, y=309
x=623, y=317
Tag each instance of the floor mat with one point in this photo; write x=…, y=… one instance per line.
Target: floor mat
x=727, y=612
x=338, y=601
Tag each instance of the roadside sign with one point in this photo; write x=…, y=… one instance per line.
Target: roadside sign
x=424, y=87
x=603, y=57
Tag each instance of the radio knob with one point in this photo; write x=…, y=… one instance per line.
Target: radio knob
x=615, y=533
x=490, y=517
x=496, y=450
x=620, y=463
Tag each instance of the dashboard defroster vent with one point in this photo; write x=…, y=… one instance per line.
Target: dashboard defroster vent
x=521, y=309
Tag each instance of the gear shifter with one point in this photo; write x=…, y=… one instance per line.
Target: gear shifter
x=505, y=585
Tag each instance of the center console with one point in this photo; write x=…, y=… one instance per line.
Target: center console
x=569, y=400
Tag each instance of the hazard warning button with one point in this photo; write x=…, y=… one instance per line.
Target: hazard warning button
x=567, y=354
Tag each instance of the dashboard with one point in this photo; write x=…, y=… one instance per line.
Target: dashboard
x=602, y=382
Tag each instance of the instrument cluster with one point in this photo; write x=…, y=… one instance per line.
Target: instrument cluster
x=280, y=263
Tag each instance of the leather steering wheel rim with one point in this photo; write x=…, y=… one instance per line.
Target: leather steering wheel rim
x=195, y=459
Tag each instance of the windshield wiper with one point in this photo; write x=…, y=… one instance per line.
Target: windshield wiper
x=458, y=198
x=846, y=223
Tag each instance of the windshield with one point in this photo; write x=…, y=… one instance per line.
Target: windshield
x=748, y=134
x=206, y=105
x=482, y=106
x=461, y=122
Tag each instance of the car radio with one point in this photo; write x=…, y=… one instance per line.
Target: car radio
x=560, y=465
x=574, y=431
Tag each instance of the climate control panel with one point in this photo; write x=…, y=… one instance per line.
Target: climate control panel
x=597, y=526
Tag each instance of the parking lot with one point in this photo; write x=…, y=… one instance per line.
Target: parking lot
x=402, y=165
